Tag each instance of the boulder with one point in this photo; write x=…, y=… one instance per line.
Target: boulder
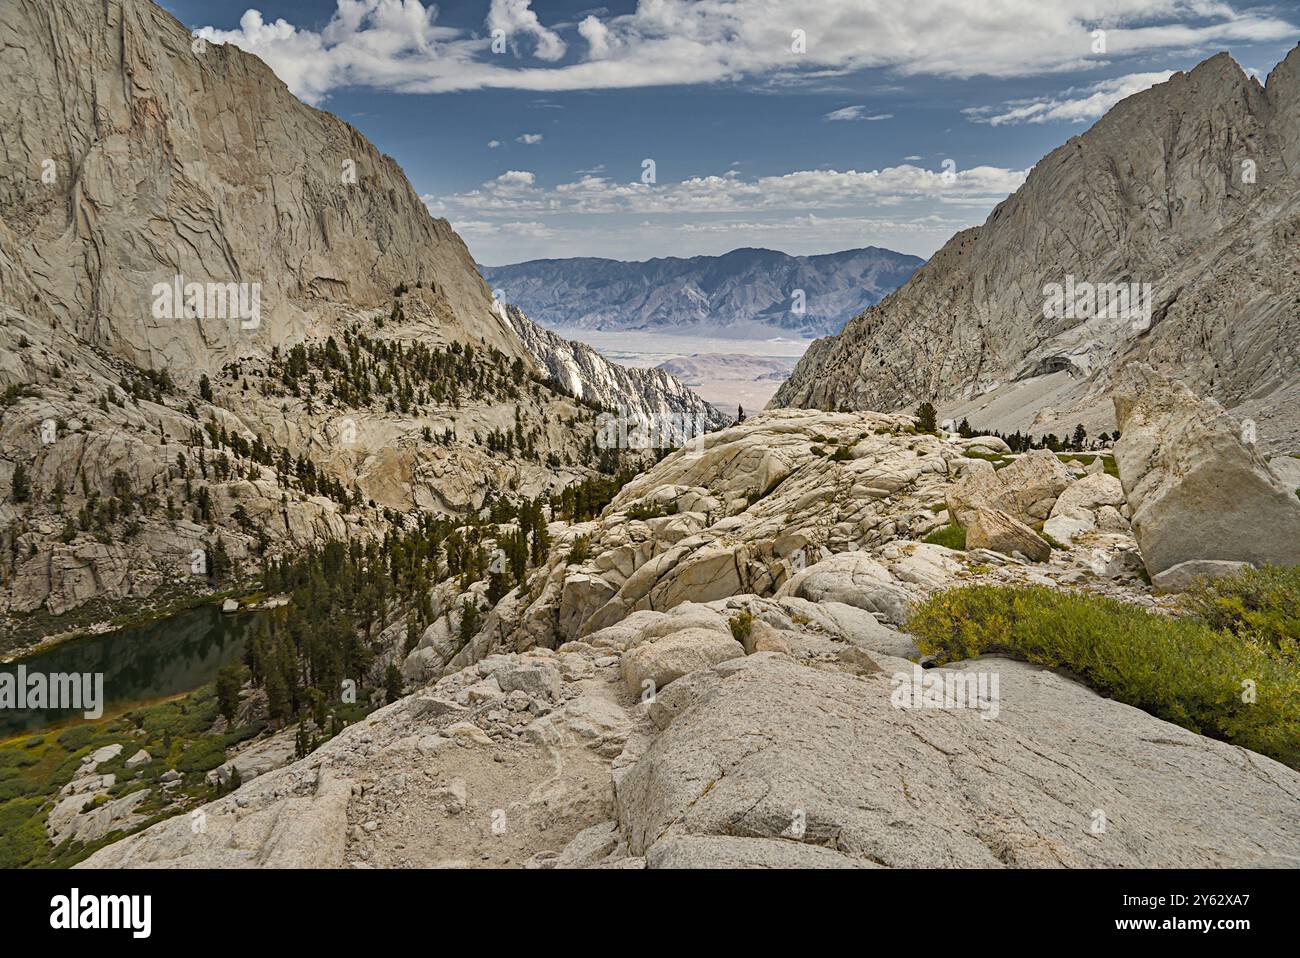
x=779, y=764
x=1180, y=577
x=1197, y=490
x=1089, y=494
x=1065, y=528
x=537, y=679
x=853, y=578
x=673, y=656
x=996, y=530
x=1026, y=490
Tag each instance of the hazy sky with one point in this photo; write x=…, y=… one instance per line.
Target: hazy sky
x=801, y=125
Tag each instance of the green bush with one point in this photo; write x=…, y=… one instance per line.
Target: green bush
x=1258, y=604
x=12, y=758
x=202, y=756
x=742, y=624
x=76, y=737
x=22, y=832
x=952, y=535
x=1181, y=670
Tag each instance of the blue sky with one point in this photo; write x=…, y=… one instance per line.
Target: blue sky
x=802, y=125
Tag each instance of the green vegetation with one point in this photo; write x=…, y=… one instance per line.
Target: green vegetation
x=1258, y=605
x=952, y=536
x=741, y=624
x=927, y=418
x=1218, y=680
x=177, y=734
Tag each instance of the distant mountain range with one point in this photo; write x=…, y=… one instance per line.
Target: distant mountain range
x=747, y=293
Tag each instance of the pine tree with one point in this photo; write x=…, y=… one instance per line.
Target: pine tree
x=22, y=485
x=927, y=418
x=392, y=683
x=229, y=681
x=1080, y=437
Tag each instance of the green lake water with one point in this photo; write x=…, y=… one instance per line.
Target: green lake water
x=141, y=664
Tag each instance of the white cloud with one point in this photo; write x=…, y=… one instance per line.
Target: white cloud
x=856, y=113
x=1075, y=105
x=516, y=192
x=515, y=18
x=493, y=144
x=529, y=138
x=397, y=45
x=515, y=179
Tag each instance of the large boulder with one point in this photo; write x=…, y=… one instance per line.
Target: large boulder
x=664, y=660
x=1026, y=490
x=853, y=578
x=775, y=763
x=995, y=530
x=1197, y=488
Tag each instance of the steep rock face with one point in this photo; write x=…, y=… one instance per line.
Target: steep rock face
x=586, y=374
x=1191, y=186
x=370, y=377
x=745, y=290
x=133, y=153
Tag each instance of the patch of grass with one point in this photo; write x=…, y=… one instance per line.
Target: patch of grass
x=1107, y=462
x=1212, y=681
x=952, y=535
x=992, y=457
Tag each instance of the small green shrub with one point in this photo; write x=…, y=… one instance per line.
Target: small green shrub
x=202, y=756
x=952, y=535
x=76, y=737
x=1180, y=670
x=742, y=624
x=579, y=551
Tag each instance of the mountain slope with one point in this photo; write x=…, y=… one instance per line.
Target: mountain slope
x=1159, y=192
x=747, y=292
x=332, y=362
x=641, y=393
x=133, y=155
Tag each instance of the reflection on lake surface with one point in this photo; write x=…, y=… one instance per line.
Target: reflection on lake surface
x=140, y=664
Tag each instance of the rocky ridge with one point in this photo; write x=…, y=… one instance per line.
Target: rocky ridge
x=304, y=412
x=1191, y=187
x=639, y=394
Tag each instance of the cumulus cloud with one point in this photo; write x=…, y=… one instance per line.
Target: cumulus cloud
x=493, y=144
x=529, y=139
x=515, y=18
x=397, y=44
x=516, y=192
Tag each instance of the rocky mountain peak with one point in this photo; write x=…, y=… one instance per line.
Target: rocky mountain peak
x=1183, y=195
